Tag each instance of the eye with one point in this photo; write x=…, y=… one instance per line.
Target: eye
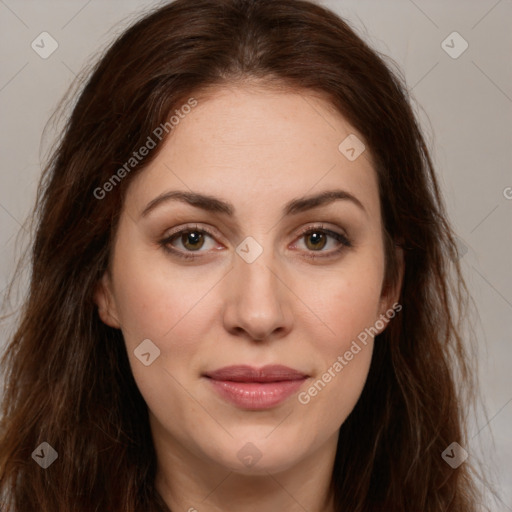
x=189, y=239
x=316, y=238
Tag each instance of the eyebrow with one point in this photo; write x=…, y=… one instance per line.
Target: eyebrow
x=216, y=205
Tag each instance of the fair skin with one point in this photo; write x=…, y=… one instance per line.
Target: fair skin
x=256, y=149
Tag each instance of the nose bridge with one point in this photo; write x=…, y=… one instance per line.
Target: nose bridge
x=256, y=299
x=256, y=279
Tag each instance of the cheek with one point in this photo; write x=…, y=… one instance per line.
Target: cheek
x=345, y=356
x=173, y=309
x=169, y=311
x=332, y=395
x=348, y=307
x=153, y=302
x=346, y=302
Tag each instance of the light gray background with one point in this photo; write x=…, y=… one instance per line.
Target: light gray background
x=464, y=104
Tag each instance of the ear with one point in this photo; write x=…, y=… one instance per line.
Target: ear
x=390, y=294
x=104, y=299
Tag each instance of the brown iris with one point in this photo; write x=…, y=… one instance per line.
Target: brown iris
x=318, y=239
x=191, y=238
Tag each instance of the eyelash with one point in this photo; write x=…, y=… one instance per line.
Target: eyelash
x=342, y=239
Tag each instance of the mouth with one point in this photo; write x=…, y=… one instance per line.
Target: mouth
x=255, y=388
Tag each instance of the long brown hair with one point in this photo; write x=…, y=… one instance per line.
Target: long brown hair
x=68, y=379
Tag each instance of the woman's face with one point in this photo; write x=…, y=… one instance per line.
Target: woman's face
x=277, y=278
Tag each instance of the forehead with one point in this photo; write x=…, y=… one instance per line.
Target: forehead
x=246, y=141
x=244, y=122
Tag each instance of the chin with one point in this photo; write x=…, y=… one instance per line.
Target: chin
x=260, y=456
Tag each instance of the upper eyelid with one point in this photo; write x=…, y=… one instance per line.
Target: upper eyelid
x=189, y=228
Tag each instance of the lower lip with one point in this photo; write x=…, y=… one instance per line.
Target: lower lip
x=256, y=395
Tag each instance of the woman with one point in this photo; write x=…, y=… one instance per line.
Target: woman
x=241, y=294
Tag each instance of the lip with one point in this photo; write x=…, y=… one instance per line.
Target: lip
x=256, y=388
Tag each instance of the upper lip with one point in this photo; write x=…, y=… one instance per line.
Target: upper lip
x=245, y=373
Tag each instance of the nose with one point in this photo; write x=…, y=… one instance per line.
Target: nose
x=257, y=301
